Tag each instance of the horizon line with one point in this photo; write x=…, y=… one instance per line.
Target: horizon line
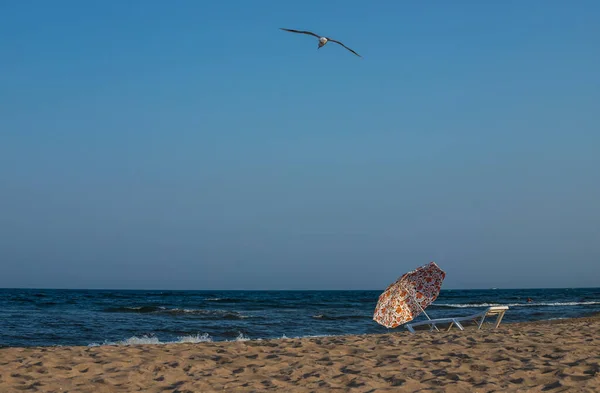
x=277, y=290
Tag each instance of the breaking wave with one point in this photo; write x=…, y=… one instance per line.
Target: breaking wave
x=326, y=317
x=201, y=313
x=153, y=340
x=150, y=339
x=224, y=300
x=532, y=304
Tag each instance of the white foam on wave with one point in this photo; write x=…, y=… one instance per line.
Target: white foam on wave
x=195, y=339
x=224, y=313
x=242, y=337
x=191, y=339
x=533, y=304
x=176, y=311
x=151, y=340
x=146, y=340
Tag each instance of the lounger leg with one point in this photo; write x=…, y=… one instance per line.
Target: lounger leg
x=454, y=322
x=481, y=322
x=499, y=319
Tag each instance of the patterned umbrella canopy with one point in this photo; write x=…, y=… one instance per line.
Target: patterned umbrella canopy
x=406, y=298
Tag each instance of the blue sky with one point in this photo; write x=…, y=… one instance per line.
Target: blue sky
x=194, y=145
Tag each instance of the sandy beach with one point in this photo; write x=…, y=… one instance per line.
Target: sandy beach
x=555, y=356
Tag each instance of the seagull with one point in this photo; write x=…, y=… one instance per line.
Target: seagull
x=322, y=40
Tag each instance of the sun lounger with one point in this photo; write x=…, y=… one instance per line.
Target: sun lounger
x=478, y=318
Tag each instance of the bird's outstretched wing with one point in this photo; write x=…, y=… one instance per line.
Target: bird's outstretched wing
x=301, y=32
x=337, y=42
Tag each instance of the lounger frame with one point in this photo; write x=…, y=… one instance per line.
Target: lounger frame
x=478, y=318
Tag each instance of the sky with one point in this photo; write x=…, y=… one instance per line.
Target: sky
x=194, y=145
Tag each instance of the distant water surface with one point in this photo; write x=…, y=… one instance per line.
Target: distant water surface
x=31, y=317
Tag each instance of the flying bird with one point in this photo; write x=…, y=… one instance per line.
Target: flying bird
x=322, y=40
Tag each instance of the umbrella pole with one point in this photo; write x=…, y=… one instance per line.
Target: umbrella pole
x=422, y=310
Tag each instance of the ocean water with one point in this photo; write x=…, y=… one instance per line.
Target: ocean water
x=34, y=317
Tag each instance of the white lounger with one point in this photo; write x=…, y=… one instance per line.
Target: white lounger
x=478, y=318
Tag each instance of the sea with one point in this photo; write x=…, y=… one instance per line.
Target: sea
x=44, y=317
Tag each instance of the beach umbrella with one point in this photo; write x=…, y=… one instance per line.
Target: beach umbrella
x=408, y=296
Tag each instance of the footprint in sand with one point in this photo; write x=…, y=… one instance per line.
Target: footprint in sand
x=552, y=386
x=355, y=384
x=347, y=370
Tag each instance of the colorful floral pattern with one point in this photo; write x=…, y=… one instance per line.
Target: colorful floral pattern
x=398, y=303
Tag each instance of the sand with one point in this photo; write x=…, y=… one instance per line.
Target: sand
x=527, y=357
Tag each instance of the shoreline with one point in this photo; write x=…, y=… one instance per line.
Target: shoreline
x=522, y=356
x=396, y=331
